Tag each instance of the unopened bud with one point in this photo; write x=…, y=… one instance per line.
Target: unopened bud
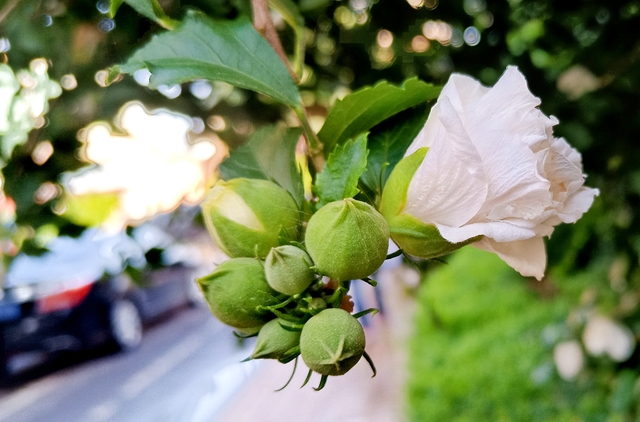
x=245, y=217
x=237, y=291
x=274, y=341
x=332, y=342
x=288, y=270
x=347, y=239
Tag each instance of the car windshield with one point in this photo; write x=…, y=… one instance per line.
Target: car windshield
x=86, y=259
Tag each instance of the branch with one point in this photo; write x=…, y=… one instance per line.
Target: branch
x=264, y=24
x=621, y=66
x=4, y=12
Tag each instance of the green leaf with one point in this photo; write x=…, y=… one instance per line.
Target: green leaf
x=228, y=51
x=339, y=178
x=270, y=154
x=365, y=108
x=91, y=209
x=622, y=396
x=388, y=143
x=150, y=9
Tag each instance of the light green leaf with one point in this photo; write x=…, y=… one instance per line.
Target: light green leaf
x=339, y=178
x=388, y=143
x=150, y=9
x=270, y=154
x=90, y=210
x=228, y=51
x=365, y=108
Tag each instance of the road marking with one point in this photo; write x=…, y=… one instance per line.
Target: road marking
x=25, y=397
x=161, y=366
x=103, y=411
x=227, y=381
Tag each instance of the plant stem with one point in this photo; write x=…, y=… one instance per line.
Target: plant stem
x=314, y=145
x=7, y=8
x=264, y=24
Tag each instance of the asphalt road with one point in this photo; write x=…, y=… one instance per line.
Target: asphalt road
x=185, y=370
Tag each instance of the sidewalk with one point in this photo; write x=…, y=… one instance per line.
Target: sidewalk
x=353, y=397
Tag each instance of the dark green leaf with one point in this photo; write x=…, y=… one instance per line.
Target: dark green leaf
x=339, y=178
x=270, y=154
x=387, y=144
x=148, y=8
x=228, y=51
x=363, y=109
x=307, y=5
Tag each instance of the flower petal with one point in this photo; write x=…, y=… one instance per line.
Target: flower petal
x=528, y=257
x=578, y=204
x=510, y=107
x=460, y=90
x=563, y=168
x=448, y=187
x=463, y=90
x=500, y=231
x=516, y=188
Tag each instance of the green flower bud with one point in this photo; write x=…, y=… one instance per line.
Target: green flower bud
x=274, y=341
x=245, y=216
x=317, y=304
x=347, y=239
x=410, y=234
x=288, y=270
x=235, y=290
x=332, y=342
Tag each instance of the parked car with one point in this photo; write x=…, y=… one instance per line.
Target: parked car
x=76, y=296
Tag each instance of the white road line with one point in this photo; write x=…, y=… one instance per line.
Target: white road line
x=161, y=366
x=227, y=381
x=25, y=397
x=103, y=411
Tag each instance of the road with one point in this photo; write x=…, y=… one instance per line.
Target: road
x=184, y=371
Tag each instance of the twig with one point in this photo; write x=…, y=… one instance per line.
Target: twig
x=264, y=24
x=4, y=12
x=621, y=66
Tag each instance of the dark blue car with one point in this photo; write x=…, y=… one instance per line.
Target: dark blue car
x=77, y=297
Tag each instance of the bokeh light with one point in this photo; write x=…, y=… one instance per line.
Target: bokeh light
x=471, y=36
x=384, y=38
x=152, y=167
x=42, y=152
x=420, y=44
x=68, y=82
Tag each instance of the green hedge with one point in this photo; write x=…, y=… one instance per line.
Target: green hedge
x=482, y=349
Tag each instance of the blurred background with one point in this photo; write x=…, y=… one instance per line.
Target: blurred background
x=101, y=236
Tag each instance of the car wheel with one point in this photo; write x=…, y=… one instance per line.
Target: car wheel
x=125, y=324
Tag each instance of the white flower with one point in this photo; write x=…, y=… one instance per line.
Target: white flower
x=495, y=170
x=603, y=335
x=569, y=359
x=577, y=81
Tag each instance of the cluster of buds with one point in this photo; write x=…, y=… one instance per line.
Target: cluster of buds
x=288, y=278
